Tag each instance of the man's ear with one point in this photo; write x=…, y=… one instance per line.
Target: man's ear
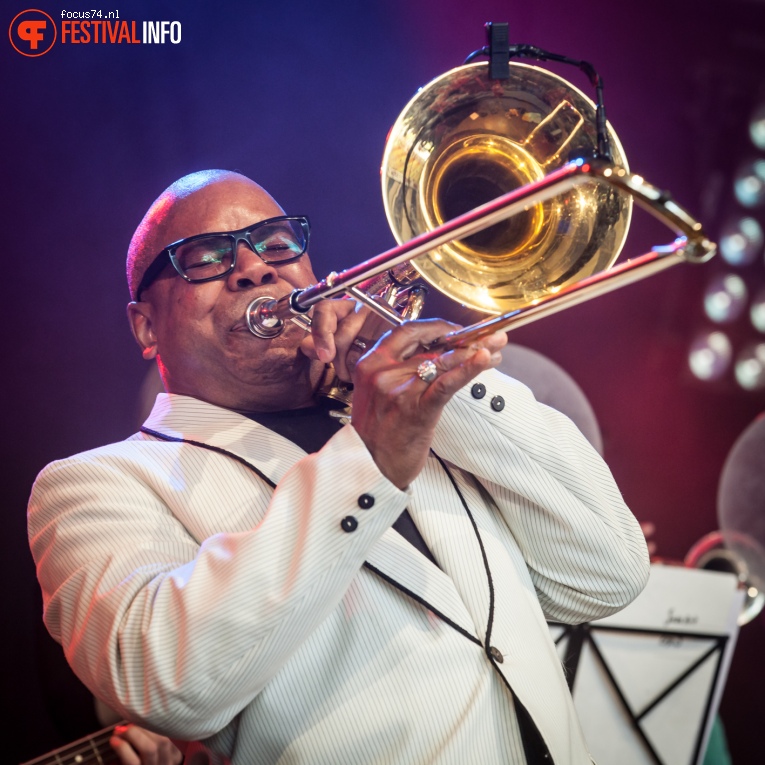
x=140, y=318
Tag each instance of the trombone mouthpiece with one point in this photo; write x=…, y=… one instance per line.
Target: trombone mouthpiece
x=262, y=319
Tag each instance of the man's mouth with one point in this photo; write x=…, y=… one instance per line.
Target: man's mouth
x=289, y=327
x=240, y=326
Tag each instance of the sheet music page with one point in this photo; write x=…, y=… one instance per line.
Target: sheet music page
x=695, y=613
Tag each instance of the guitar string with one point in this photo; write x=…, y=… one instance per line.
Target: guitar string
x=94, y=750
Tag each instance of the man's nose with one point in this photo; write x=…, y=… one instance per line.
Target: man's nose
x=251, y=270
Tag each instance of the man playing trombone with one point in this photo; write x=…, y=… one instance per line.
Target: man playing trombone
x=253, y=576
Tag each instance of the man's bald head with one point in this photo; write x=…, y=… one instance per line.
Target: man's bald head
x=155, y=230
x=197, y=331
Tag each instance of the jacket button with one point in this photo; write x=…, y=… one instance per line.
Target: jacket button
x=498, y=403
x=366, y=501
x=495, y=654
x=349, y=523
x=478, y=390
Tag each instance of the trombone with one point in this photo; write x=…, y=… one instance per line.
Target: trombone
x=492, y=199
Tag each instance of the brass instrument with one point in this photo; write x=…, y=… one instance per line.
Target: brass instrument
x=492, y=194
x=464, y=140
x=734, y=553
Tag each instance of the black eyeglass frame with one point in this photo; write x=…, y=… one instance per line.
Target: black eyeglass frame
x=158, y=265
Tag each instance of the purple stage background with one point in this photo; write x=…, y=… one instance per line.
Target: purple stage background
x=300, y=96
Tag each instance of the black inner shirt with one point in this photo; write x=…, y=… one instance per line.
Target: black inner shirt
x=310, y=428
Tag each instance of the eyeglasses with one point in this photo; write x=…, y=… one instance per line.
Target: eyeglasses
x=205, y=257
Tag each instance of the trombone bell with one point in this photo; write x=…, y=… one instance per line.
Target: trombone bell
x=465, y=139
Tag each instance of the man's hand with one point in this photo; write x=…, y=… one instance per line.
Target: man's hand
x=138, y=746
x=341, y=332
x=394, y=411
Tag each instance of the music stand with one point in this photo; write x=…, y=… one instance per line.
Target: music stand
x=647, y=681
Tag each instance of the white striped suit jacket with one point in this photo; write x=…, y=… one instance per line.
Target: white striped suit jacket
x=194, y=598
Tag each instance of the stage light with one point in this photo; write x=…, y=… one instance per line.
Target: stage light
x=757, y=311
x=741, y=241
x=757, y=127
x=750, y=367
x=734, y=296
x=710, y=355
x=749, y=183
x=725, y=298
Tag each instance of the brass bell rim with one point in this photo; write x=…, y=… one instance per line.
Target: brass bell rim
x=443, y=268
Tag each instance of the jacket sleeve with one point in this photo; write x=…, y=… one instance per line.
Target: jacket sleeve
x=584, y=549
x=179, y=635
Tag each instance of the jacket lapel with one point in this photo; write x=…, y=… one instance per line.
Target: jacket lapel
x=183, y=417
x=401, y=565
x=448, y=530
x=391, y=557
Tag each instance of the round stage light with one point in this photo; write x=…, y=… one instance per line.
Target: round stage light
x=741, y=241
x=750, y=367
x=710, y=355
x=749, y=183
x=757, y=127
x=757, y=311
x=725, y=298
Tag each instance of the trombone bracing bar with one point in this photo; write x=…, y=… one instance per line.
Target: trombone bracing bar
x=265, y=316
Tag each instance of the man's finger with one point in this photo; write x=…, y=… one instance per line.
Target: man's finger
x=323, y=325
x=326, y=317
x=404, y=341
x=124, y=751
x=137, y=746
x=459, y=371
x=352, y=341
x=357, y=335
